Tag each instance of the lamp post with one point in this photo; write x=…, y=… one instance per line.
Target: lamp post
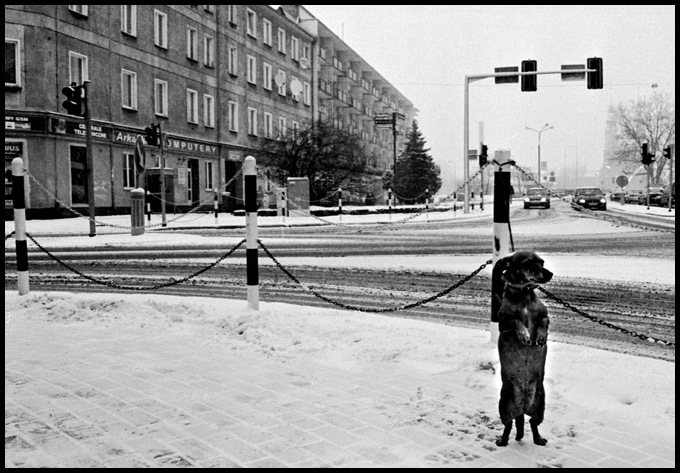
x=545, y=128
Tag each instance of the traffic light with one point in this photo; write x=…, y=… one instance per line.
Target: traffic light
x=647, y=158
x=484, y=155
x=595, y=78
x=667, y=152
x=74, y=99
x=529, y=82
x=152, y=135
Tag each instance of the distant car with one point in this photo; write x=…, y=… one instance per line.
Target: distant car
x=632, y=197
x=590, y=197
x=536, y=197
x=654, y=196
x=668, y=193
x=619, y=196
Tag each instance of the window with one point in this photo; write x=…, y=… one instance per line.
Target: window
x=282, y=41
x=307, y=93
x=267, y=76
x=192, y=43
x=208, y=51
x=267, y=32
x=79, y=187
x=231, y=15
x=128, y=19
x=268, y=125
x=129, y=171
x=281, y=82
x=251, y=71
x=128, y=88
x=294, y=48
x=160, y=29
x=12, y=63
x=192, y=106
x=209, y=175
x=282, y=127
x=232, y=61
x=295, y=126
x=252, y=121
x=251, y=23
x=161, y=97
x=233, y=116
x=79, y=9
x=306, y=51
x=295, y=88
x=77, y=65
x=209, y=111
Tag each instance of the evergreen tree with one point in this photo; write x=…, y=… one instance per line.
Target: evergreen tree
x=415, y=171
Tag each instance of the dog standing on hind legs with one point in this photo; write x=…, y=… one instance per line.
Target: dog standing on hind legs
x=523, y=333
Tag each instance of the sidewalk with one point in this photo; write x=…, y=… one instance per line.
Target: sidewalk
x=167, y=389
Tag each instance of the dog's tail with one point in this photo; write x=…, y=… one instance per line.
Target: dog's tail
x=498, y=286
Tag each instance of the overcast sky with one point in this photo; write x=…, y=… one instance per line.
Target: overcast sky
x=426, y=51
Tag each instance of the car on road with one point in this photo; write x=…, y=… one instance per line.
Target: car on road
x=536, y=197
x=668, y=193
x=619, y=196
x=654, y=196
x=632, y=196
x=590, y=197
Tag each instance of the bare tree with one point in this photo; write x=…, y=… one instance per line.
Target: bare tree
x=650, y=119
x=328, y=156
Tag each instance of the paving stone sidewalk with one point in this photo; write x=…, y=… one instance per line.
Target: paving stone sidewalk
x=76, y=396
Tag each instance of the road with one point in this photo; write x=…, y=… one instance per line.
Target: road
x=642, y=307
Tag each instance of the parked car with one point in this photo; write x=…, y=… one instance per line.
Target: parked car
x=668, y=193
x=536, y=197
x=619, y=196
x=590, y=197
x=654, y=196
x=632, y=197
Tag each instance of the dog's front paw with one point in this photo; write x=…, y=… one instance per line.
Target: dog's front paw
x=502, y=442
x=538, y=440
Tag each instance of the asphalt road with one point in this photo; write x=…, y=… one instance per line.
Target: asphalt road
x=641, y=307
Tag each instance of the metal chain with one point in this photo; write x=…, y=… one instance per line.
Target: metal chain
x=604, y=322
x=606, y=217
x=363, y=309
x=136, y=288
x=9, y=235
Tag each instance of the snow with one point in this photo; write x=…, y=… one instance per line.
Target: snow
x=582, y=384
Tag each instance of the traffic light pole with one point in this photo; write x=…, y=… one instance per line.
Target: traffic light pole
x=162, y=159
x=90, y=158
x=466, y=118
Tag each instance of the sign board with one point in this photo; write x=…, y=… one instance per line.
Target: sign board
x=508, y=79
x=568, y=76
x=382, y=126
x=622, y=181
x=472, y=154
x=383, y=116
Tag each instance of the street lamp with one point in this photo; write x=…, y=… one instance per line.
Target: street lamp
x=545, y=127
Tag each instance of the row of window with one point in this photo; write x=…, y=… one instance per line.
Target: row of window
x=130, y=174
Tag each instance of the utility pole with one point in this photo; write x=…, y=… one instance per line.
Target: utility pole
x=90, y=158
x=162, y=159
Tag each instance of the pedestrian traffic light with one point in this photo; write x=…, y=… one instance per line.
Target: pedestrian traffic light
x=484, y=155
x=595, y=77
x=529, y=82
x=667, y=152
x=74, y=99
x=647, y=157
x=152, y=135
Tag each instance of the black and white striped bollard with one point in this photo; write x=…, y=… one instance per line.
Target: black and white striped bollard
x=340, y=203
x=215, y=204
x=250, y=194
x=19, y=201
x=389, y=203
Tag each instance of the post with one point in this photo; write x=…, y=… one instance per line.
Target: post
x=427, y=204
x=340, y=203
x=671, y=186
x=215, y=204
x=19, y=202
x=162, y=159
x=137, y=211
x=394, y=141
x=389, y=202
x=90, y=159
x=481, y=174
x=250, y=194
x=649, y=171
x=466, y=146
x=148, y=205
x=501, y=238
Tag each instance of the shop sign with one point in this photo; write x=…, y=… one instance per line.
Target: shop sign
x=190, y=147
x=22, y=123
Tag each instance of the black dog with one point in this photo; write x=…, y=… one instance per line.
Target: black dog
x=523, y=332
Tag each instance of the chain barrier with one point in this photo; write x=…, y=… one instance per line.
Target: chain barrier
x=136, y=288
x=9, y=235
x=604, y=322
x=364, y=309
x=605, y=217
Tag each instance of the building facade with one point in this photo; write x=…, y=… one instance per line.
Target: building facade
x=217, y=79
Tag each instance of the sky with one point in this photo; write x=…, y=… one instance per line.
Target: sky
x=426, y=51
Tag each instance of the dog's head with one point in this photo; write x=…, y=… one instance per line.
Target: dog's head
x=523, y=269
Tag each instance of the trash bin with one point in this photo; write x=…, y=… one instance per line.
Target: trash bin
x=137, y=211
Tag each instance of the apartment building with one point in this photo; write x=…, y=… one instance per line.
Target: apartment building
x=216, y=78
